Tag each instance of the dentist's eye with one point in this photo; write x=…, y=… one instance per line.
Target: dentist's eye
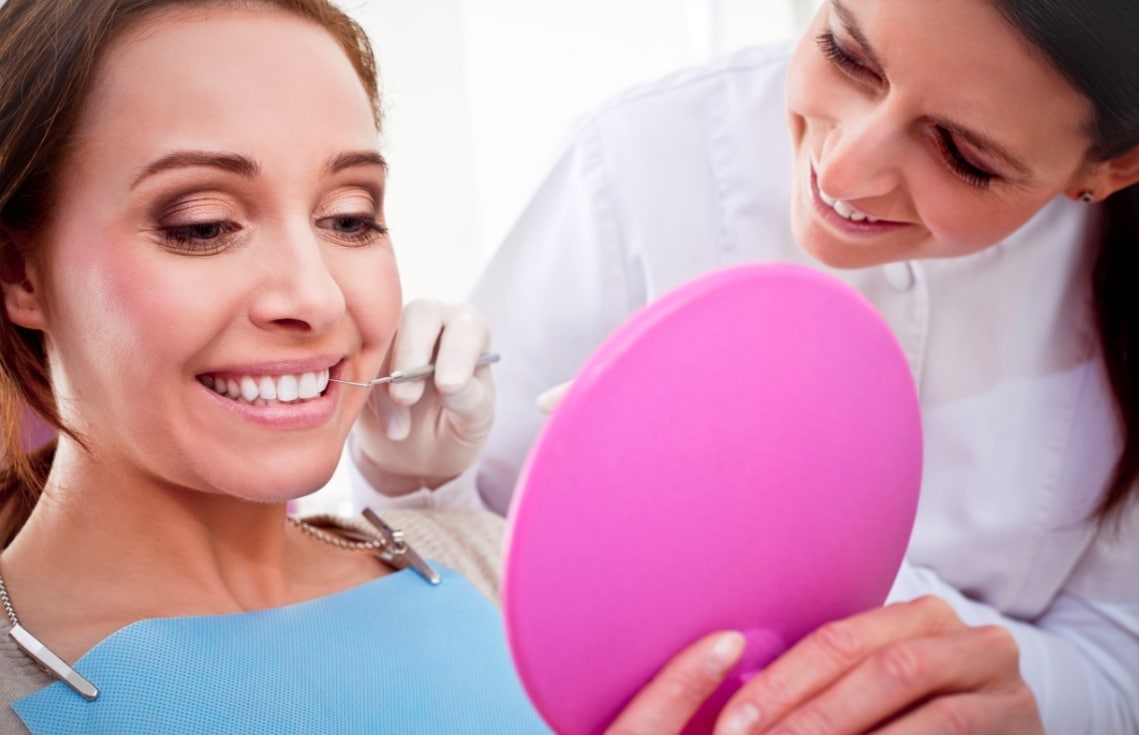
x=353, y=229
x=973, y=174
x=843, y=60
x=199, y=238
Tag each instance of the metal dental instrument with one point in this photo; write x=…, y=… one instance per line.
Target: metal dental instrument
x=419, y=373
x=399, y=553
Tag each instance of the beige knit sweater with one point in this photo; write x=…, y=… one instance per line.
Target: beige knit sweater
x=468, y=541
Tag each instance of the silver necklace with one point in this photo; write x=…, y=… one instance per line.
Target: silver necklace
x=390, y=546
x=314, y=526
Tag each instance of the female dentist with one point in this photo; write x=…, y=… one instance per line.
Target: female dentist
x=968, y=166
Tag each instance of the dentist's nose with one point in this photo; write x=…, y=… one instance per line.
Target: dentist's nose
x=299, y=292
x=861, y=156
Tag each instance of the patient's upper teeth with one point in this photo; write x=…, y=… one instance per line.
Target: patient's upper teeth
x=843, y=209
x=857, y=216
x=826, y=198
x=287, y=388
x=266, y=390
x=307, y=387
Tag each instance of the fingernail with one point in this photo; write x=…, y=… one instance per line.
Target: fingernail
x=549, y=399
x=740, y=721
x=725, y=652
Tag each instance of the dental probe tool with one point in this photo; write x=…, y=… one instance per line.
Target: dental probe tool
x=419, y=373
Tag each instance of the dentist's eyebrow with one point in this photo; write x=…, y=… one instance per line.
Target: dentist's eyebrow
x=353, y=159
x=851, y=26
x=231, y=162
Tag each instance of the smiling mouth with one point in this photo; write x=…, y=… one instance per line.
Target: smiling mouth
x=267, y=390
x=846, y=212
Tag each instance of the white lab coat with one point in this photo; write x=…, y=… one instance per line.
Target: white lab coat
x=693, y=173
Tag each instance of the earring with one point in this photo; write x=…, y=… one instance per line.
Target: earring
x=1086, y=197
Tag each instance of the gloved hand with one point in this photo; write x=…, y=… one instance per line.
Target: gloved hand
x=422, y=433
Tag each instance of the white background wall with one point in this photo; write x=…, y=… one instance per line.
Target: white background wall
x=479, y=93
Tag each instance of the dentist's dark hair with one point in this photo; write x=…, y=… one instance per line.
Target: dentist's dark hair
x=1095, y=45
x=50, y=52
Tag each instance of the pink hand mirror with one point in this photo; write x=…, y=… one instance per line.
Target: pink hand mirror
x=744, y=453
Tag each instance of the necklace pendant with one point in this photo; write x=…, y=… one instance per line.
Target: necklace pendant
x=51, y=663
x=397, y=552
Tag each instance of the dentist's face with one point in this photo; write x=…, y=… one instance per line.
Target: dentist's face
x=923, y=130
x=217, y=250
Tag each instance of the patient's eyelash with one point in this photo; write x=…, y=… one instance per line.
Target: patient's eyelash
x=354, y=229
x=199, y=238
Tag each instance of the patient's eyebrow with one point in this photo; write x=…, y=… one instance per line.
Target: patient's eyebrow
x=351, y=159
x=232, y=162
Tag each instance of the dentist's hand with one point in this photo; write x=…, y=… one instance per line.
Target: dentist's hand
x=423, y=433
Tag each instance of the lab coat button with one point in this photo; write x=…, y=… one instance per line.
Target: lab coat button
x=899, y=275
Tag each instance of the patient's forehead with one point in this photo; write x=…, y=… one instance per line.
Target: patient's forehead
x=234, y=78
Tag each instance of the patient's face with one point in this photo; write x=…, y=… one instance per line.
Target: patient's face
x=217, y=251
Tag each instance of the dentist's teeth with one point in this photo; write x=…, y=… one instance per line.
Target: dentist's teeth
x=287, y=388
x=307, y=387
x=844, y=210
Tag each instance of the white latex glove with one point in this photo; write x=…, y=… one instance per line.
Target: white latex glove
x=423, y=433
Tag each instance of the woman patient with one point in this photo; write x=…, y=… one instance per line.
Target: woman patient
x=193, y=246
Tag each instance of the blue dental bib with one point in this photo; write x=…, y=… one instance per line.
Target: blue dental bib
x=395, y=655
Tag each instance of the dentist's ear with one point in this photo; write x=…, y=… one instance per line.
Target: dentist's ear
x=21, y=296
x=1104, y=179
